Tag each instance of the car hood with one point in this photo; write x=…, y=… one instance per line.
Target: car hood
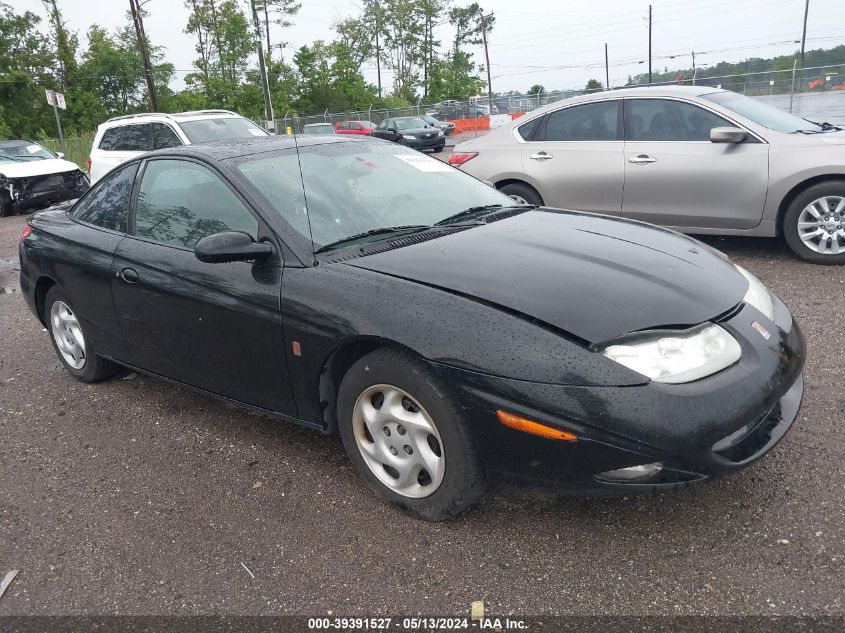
x=594, y=277
x=421, y=131
x=833, y=138
x=37, y=168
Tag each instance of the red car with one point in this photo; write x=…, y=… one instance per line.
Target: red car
x=363, y=128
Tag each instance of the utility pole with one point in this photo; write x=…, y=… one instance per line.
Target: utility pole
x=378, y=48
x=282, y=46
x=487, y=59
x=606, y=69
x=265, y=84
x=693, y=68
x=138, y=20
x=649, y=45
x=804, y=34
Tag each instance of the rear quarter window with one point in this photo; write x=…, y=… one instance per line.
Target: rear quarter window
x=107, y=203
x=111, y=139
x=526, y=130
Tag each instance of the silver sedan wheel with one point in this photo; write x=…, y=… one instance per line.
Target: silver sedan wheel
x=398, y=441
x=68, y=334
x=821, y=225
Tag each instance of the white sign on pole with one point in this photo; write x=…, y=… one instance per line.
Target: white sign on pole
x=56, y=99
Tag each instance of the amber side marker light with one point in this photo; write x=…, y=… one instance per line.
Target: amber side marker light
x=519, y=423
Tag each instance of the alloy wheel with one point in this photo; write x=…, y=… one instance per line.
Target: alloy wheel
x=67, y=333
x=821, y=225
x=398, y=441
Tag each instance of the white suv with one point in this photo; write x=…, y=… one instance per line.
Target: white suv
x=124, y=137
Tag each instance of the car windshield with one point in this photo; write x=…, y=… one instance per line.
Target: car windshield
x=318, y=129
x=23, y=151
x=761, y=113
x=368, y=124
x=206, y=130
x=352, y=188
x=411, y=123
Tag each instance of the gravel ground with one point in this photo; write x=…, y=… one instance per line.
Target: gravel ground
x=137, y=497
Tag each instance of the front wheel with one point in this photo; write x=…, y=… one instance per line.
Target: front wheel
x=522, y=193
x=6, y=208
x=814, y=224
x=74, y=349
x=405, y=433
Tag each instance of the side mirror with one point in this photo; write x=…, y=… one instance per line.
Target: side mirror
x=60, y=154
x=727, y=135
x=231, y=246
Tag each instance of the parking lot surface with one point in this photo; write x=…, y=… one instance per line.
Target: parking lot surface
x=138, y=497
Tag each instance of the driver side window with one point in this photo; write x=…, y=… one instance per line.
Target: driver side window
x=180, y=202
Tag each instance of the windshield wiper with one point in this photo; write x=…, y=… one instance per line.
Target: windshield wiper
x=384, y=230
x=825, y=126
x=481, y=211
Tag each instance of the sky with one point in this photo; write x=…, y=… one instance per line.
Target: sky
x=556, y=43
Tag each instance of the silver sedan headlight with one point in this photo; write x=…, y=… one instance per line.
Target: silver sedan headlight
x=758, y=295
x=676, y=356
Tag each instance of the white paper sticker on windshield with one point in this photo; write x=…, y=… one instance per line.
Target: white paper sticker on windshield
x=33, y=148
x=255, y=132
x=424, y=163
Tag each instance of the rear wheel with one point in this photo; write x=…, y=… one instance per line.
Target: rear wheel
x=405, y=433
x=5, y=205
x=522, y=193
x=73, y=348
x=814, y=224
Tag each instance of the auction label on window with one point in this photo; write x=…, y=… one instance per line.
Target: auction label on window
x=424, y=163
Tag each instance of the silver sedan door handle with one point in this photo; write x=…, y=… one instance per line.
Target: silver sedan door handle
x=642, y=159
x=541, y=156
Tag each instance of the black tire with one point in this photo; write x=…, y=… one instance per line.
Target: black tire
x=437, y=150
x=793, y=213
x=526, y=192
x=464, y=478
x=6, y=209
x=94, y=368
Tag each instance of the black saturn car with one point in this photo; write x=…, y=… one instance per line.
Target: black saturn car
x=448, y=334
x=411, y=131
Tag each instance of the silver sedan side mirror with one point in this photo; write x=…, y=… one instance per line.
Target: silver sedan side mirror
x=727, y=135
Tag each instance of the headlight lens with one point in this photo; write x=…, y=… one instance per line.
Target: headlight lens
x=410, y=137
x=758, y=295
x=440, y=133
x=677, y=356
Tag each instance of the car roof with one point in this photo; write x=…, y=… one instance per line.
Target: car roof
x=316, y=124
x=619, y=93
x=14, y=142
x=235, y=147
x=176, y=117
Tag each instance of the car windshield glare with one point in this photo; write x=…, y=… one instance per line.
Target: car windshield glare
x=347, y=189
x=412, y=123
x=761, y=113
x=207, y=130
x=23, y=151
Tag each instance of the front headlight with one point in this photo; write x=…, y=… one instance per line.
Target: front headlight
x=440, y=133
x=758, y=295
x=676, y=356
x=409, y=137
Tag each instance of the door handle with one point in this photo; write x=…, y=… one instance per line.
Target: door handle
x=642, y=159
x=541, y=156
x=129, y=275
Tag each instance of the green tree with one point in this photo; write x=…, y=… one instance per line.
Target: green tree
x=537, y=89
x=594, y=85
x=276, y=12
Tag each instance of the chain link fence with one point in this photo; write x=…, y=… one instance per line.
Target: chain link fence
x=76, y=150
x=795, y=90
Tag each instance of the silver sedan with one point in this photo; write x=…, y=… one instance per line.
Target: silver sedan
x=694, y=158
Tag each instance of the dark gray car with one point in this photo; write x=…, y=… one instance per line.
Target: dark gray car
x=696, y=159
x=411, y=131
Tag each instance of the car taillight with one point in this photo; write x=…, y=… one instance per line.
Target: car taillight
x=456, y=160
x=26, y=231
x=89, y=164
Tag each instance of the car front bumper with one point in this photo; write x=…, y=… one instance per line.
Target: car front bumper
x=41, y=191
x=426, y=143
x=697, y=431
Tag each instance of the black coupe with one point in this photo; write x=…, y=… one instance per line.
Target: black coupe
x=448, y=334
